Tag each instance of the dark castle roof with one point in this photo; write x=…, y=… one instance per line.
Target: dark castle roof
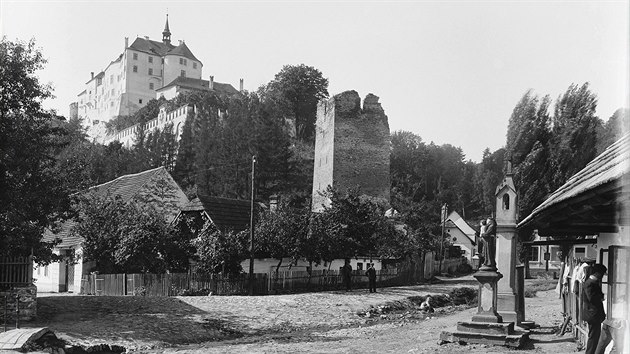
x=202, y=85
x=160, y=48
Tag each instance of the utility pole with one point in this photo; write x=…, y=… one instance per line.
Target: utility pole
x=251, y=230
x=443, y=217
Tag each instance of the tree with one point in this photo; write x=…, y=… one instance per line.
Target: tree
x=353, y=225
x=33, y=196
x=221, y=252
x=616, y=126
x=281, y=233
x=574, y=133
x=295, y=91
x=128, y=237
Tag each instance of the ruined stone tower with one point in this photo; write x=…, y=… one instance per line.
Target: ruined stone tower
x=352, y=146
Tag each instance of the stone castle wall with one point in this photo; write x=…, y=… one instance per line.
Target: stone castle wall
x=353, y=144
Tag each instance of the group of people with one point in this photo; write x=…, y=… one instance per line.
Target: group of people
x=346, y=274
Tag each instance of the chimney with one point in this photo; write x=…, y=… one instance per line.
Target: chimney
x=146, y=37
x=180, y=42
x=126, y=42
x=92, y=74
x=241, y=85
x=273, y=203
x=211, y=82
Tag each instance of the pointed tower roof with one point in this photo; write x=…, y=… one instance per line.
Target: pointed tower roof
x=166, y=34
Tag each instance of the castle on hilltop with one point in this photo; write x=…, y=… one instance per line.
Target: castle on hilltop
x=145, y=70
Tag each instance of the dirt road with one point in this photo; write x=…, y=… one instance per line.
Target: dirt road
x=312, y=323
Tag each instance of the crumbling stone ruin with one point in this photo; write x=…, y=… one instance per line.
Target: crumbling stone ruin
x=352, y=147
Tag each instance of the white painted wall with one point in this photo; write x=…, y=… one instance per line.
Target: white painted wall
x=266, y=265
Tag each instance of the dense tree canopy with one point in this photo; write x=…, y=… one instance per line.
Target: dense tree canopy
x=295, y=92
x=32, y=194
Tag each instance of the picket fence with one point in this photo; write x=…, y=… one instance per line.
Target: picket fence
x=170, y=284
x=173, y=284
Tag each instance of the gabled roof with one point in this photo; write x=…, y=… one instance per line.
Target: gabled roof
x=455, y=220
x=591, y=200
x=182, y=50
x=127, y=186
x=67, y=238
x=224, y=213
x=199, y=84
x=160, y=48
x=151, y=47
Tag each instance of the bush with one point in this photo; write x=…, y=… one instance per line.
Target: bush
x=464, y=268
x=463, y=296
x=140, y=291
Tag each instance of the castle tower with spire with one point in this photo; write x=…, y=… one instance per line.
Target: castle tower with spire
x=166, y=34
x=133, y=78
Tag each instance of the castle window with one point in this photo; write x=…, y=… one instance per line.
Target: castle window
x=150, y=59
x=135, y=68
x=194, y=65
x=150, y=71
x=135, y=56
x=150, y=86
x=183, y=73
x=140, y=101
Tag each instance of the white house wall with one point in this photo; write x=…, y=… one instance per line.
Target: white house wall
x=266, y=265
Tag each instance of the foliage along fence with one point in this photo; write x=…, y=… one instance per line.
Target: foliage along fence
x=15, y=271
x=170, y=284
x=173, y=284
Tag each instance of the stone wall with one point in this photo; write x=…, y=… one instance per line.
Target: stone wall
x=27, y=300
x=352, y=143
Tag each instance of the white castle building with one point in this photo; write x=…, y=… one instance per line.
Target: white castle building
x=145, y=70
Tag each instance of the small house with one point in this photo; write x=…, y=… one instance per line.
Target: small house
x=155, y=187
x=461, y=234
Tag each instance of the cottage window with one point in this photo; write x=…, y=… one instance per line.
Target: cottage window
x=150, y=86
x=183, y=73
x=135, y=68
x=135, y=56
x=194, y=65
x=140, y=101
x=150, y=71
x=150, y=59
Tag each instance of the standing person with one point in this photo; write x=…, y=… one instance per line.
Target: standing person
x=346, y=274
x=594, y=313
x=371, y=274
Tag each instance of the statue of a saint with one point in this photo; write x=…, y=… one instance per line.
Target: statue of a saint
x=488, y=240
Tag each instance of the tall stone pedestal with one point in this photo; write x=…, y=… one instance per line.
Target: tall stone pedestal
x=487, y=326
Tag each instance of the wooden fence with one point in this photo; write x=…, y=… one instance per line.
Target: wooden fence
x=15, y=271
x=171, y=284
x=290, y=281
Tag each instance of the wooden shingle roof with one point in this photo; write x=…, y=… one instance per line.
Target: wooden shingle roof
x=594, y=200
x=127, y=186
x=224, y=213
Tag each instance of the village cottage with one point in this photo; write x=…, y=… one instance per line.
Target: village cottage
x=153, y=187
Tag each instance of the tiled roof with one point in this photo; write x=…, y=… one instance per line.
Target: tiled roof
x=127, y=186
x=225, y=213
x=151, y=46
x=609, y=167
x=160, y=48
x=199, y=84
x=67, y=239
x=183, y=50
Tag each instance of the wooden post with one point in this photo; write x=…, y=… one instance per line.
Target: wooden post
x=251, y=230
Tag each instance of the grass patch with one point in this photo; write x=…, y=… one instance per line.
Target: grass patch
x=532, y=286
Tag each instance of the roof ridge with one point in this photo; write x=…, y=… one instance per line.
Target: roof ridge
x=124, y=176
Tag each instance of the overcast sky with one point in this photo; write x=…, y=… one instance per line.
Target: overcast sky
x=449, y=71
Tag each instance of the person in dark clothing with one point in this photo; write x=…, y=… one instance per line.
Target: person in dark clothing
x=593, y=307
x=346, y=274
x=371, y=274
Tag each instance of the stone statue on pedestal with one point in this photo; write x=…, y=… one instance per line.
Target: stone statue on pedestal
x=488, y=239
